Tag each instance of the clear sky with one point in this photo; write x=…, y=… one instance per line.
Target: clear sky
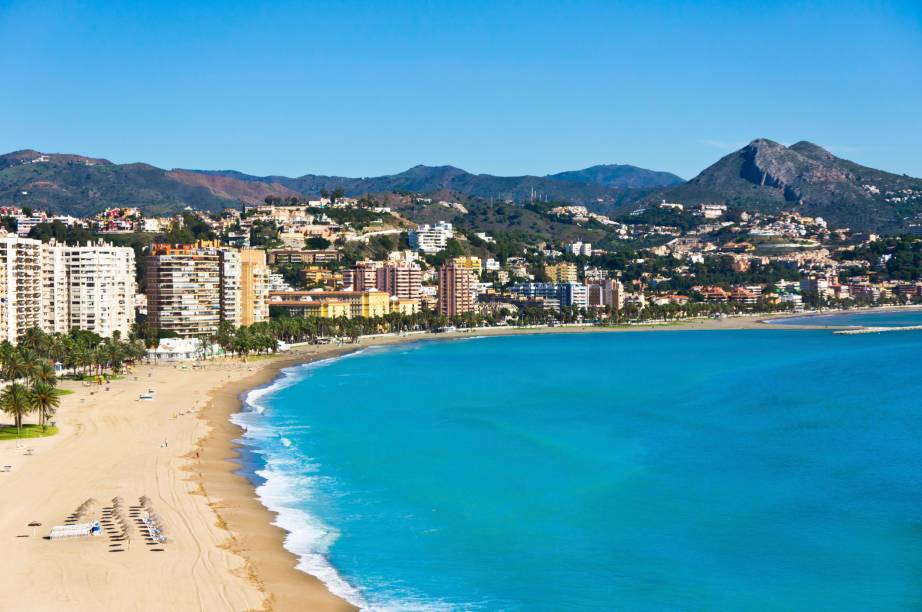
x=369, y=88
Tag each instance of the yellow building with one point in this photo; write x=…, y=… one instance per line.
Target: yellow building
x=562, y=272
x=254, y=286
x=348, y=303
x=375, y=303
x=471, y=263
x=319, y=275
x=332, y=309
x=406, y=306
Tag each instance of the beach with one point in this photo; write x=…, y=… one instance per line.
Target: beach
x=112, y=445
x=222, y=552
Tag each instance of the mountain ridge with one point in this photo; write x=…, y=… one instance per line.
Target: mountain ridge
x=767, y=176
x=619, y=176
x=422, y=178
x=763, y=176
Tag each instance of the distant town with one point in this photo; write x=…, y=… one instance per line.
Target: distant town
x=291, y=270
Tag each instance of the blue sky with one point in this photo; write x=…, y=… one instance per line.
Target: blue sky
x=368, y=88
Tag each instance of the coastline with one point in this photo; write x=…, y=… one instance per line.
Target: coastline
x=253, y=533
x=232, y=496
x=224, y=551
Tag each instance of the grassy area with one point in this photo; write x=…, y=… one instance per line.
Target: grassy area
x=64, y=391
x=8, y=432
x=92, y=377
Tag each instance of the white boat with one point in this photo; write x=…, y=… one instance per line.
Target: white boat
x=147, y=396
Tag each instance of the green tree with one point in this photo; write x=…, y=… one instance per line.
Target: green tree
x=45, y=400
x=43, y=372
x=15, y=366
x=317, y=243
x=16, y=401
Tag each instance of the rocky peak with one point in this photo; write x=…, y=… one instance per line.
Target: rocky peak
x=770, y=164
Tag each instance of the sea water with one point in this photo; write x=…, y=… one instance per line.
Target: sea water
x=677, y=470
x=880, y=318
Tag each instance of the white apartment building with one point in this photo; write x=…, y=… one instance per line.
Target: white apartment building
x=21, y=288
x=431, y=238
x=101, y=286
x=55, y=297
x=231, y=287
x=56, y=288
x=580, y=248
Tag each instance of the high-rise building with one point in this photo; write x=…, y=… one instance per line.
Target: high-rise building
x=21, y=293
x=101, y=288
x=607, y=292
x=231, y=292
x=401, y=280
x=254, y=286
x=398, y=279
x=56, y=288
x=193, y=288
x=456, y=290
x=563, y=272
x=364, y=275
x=573, y=294
x=184, y=289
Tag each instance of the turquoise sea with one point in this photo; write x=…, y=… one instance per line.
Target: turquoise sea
x=882, y=318
x=677, y=470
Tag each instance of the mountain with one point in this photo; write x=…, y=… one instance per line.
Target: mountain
x=762, y=176
x=429, y=179
x=79, y=185
x=619, y=176
x=770, y=177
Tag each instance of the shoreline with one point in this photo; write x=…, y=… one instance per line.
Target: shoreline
x=224, y=552
x=251, y=526
x=274, y=563
x=233, y=497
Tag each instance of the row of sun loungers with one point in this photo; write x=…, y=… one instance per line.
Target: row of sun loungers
x=151, y=521
x=121, y=522
x=77, y=524
x=75, y=531
x=118, y=525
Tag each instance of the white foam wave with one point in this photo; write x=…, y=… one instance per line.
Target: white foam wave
x=308, y=537
x=289, y=480
x=286, y=481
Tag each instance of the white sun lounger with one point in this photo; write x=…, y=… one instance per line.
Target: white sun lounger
x=73, y=531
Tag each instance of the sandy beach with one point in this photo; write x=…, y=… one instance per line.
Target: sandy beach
x=110, y=446
x=222, y=553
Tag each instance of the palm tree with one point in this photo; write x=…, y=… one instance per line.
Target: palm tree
x=45, y=400
x=43, y=372
x=83, y=357
x=35, y=339
x=15, y=366
x=17, y=402
x=7, y=352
